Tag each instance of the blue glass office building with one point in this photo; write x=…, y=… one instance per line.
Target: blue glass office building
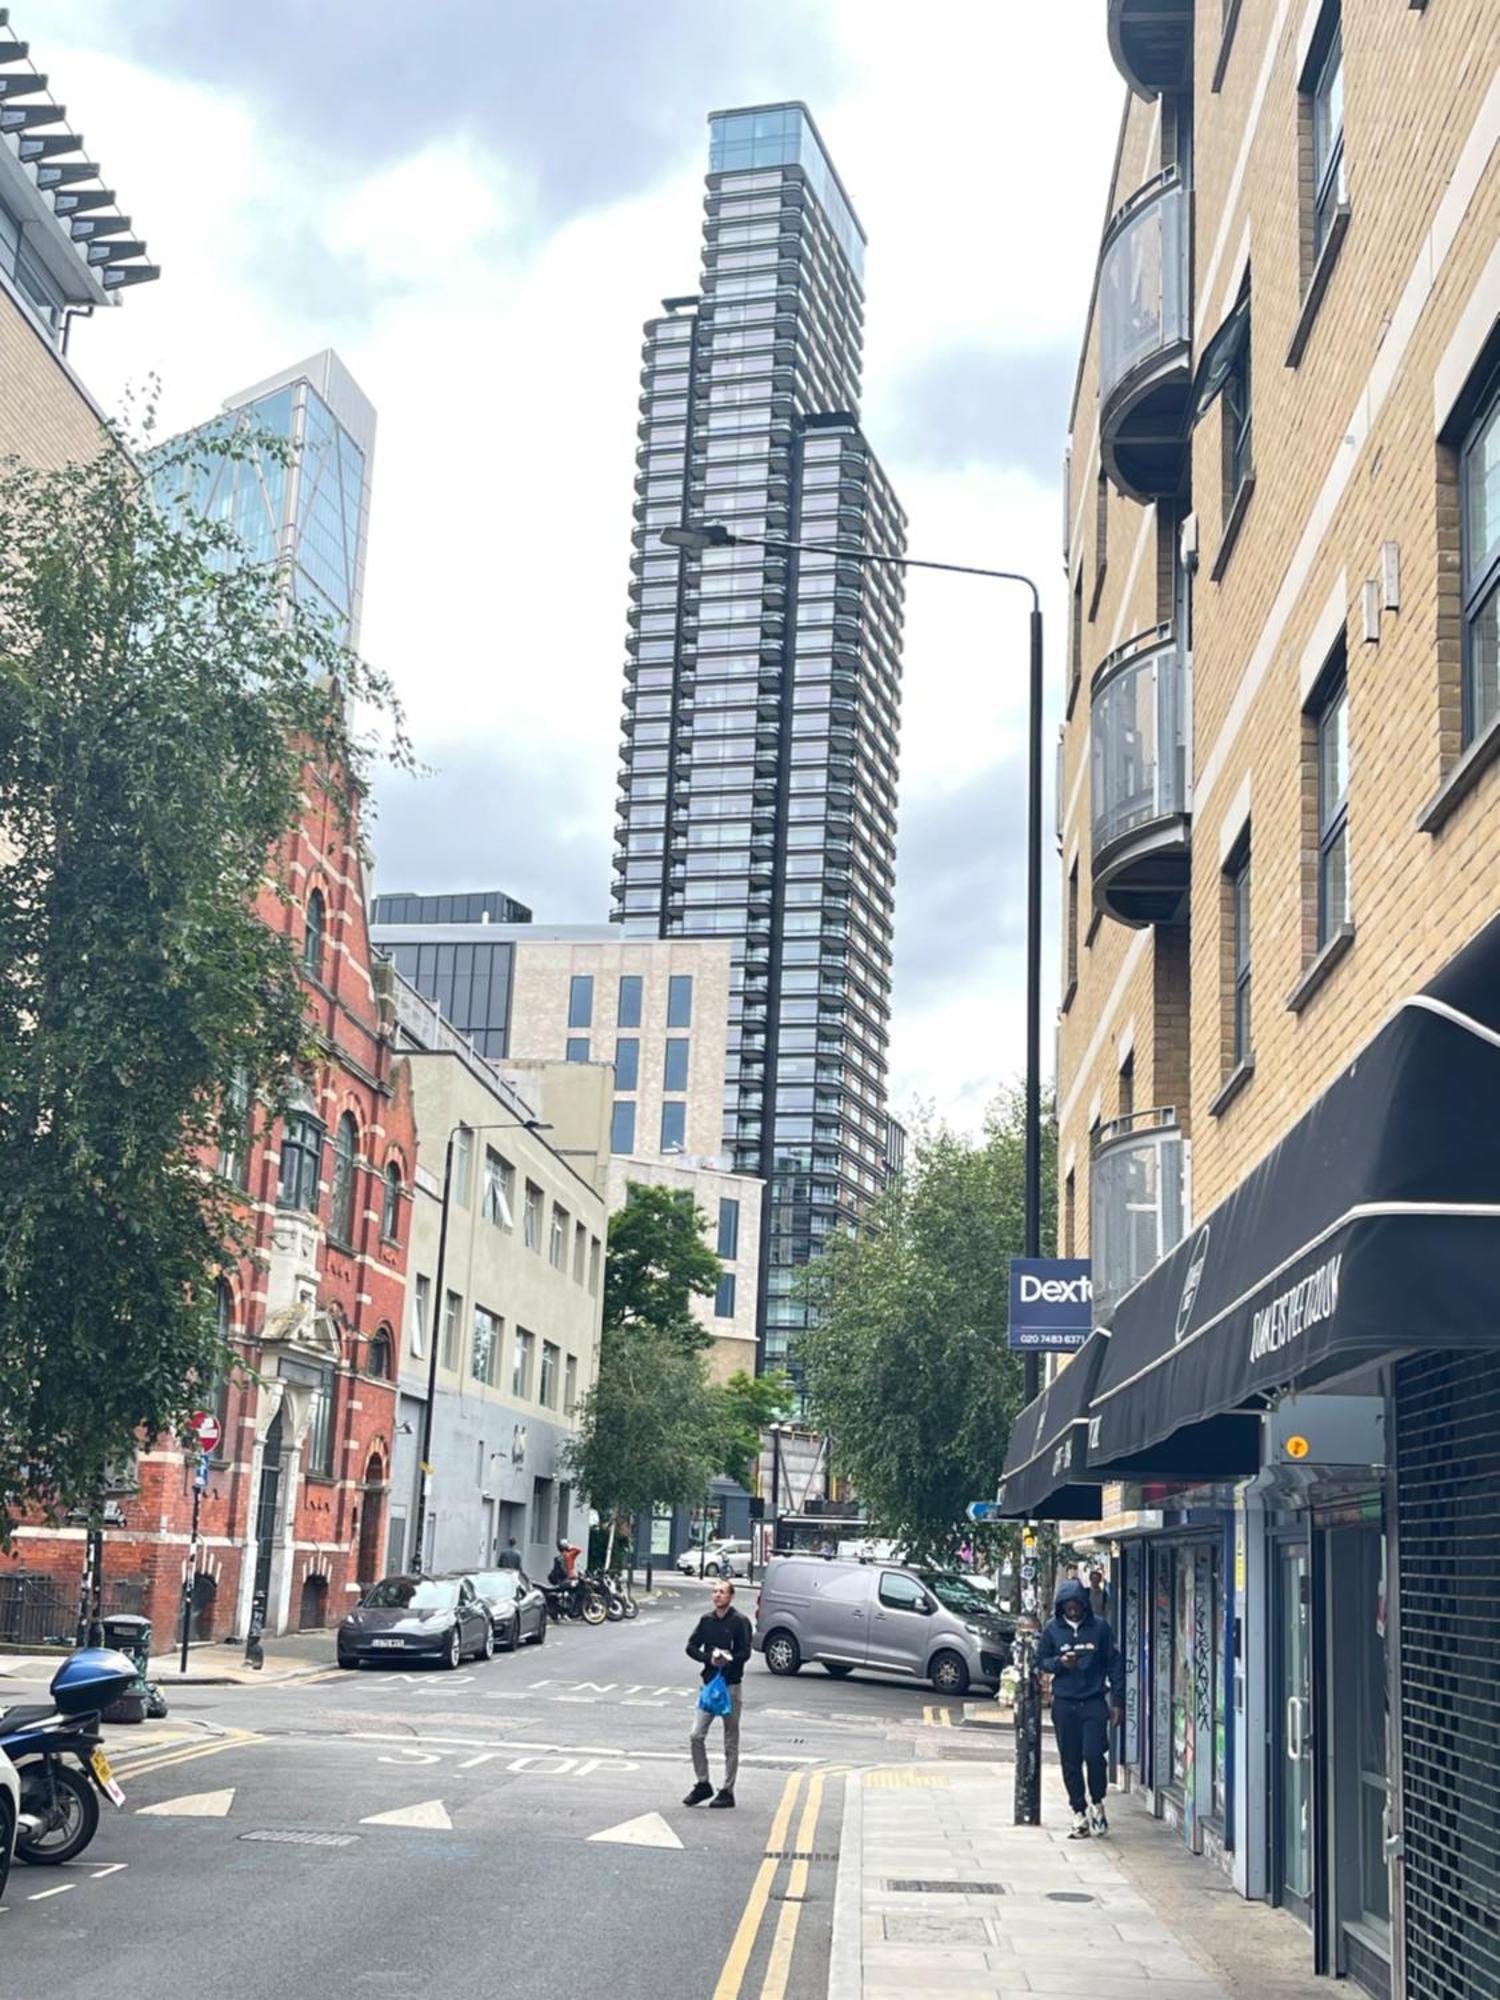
x=762, y=699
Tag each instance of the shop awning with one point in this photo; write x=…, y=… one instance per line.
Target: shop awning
x=1048, y=1442
x=1371, y=1229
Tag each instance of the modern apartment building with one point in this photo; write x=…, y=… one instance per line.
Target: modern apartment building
x=517, y=1323
x=762, y=700
x=651, y=1014
x=1279, y=821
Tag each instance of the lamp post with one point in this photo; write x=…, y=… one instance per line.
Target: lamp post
x=434, y=1332
x=706, y=535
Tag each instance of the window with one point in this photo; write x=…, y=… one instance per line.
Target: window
x=484, y=1361
x=557, y=1250
x=234, y=1132
x=581, y=1000
x=421, y=1309
x=628, y=1012
x=453, y=1307
x=499, y=1189
x=312, y=937
x=1070, y=939
x=1238, y=436
x=1127, y=1086
x=301, y=1153
x=520, y=1374
x=532, y=1231
x=1327, y=107
x=724, y=1297
x=390, y=1210
x=627, y=1063
x=577, y=1049
x=463, y=1153
x=311, y=1375
x=594, y=1266
x=541, y=1510
x=378, y=1354
x=1331, y=723
x=570, y=1385
x=673, y=1125
x=1070, y=1215
x=550, y=1357
x=580, y=1252
x=680, y=1000
x=1239, y=950
x=901, y=1593
x=564, y=1511
x=622, y=1126
x=345, y=1163
x=1479, y=487
x=675, y=1068
x=729, y=1228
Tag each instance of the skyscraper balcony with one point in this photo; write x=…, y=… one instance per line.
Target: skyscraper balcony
x=1138, y=1201
x=1145, y=341
x=1140, y=780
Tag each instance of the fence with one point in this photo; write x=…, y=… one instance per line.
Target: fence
x=43, y=1610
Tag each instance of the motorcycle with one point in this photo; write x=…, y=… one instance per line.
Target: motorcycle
x=608, y=1588
x=627, y=1596
x=575, y=1597
x=60, y=1804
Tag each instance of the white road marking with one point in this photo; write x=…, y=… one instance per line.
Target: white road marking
x=650, y=1830
x=110, y=1868
x=772, y=1759
x=61, y=1890
x=431, y=1813
x=192, y=1805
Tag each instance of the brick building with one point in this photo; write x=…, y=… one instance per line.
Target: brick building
x=1278, y=816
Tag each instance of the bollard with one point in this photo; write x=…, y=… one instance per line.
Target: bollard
x=1028, y=1804
x=254, y=1652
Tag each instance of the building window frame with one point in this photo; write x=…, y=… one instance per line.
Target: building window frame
x=581, y=1000
x=390, y=1205
x=535, y=1203
x=547, y=1382
x=302, y=1136
x=1325, y=94
x=627, y=1062
x=577, y=1050
x=724, y=1296
x=1479, y=582
x=675, y=1062
x=1330, y=725
x=499, y=1189
x=421, y=1313
x=453, y=1312
x=1238, y=964
x=729, y=1227
x=622, y=1126
x=673, y=1125
x=314, y=936
x=680, y=1000
x=345, y=1186
x=628, y=1001
x=486, y=1341
x=520, y=1367
x=557, y=1243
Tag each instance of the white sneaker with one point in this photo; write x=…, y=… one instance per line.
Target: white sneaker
x=1098, y=1823
x=1080, y=1827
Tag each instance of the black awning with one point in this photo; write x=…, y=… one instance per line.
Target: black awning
x=1371, y=1229
x=1044, y=1477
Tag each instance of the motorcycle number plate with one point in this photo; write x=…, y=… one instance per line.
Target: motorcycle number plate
x=99, y=1764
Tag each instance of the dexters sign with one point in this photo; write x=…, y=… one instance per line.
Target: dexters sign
x=1051, y=1303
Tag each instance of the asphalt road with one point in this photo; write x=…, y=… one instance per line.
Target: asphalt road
x=391, y=1834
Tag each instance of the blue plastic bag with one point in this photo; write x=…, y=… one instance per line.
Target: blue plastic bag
x=716, y=1697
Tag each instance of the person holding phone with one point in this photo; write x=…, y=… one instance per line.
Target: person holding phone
x=720, y=1642
x=1088, y=1676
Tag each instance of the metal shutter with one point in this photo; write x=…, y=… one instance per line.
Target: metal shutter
x=1448, y=1488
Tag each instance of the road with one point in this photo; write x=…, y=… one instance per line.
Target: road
x=516, y=1826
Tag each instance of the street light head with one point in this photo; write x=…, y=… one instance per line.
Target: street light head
x=694, y=540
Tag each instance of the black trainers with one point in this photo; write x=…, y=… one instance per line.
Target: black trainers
x=701, y=1791
x=721, y=1799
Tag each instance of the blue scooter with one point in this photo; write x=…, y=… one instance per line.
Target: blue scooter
x=45, y=1740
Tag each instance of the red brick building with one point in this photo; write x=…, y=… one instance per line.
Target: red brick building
x=295, y=1509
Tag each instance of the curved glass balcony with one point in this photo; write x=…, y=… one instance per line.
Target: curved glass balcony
x=1138, y=1205
x=1145, y=341
x=1152, y=43
x=1140, y=780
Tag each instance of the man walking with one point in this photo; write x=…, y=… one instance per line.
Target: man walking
x=1079, y=1651
x=510, y=1556
x=721, y=1643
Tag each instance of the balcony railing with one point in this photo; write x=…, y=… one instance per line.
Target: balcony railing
x=1141, y=780
x=1138, y=1197
x=1145, y=340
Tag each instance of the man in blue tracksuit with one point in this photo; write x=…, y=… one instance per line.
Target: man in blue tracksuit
x=1088, y=1676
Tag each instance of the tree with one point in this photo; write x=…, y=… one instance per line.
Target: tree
x=657, y=1263
x=747, y=1404
x=649, y=1429
x=906, y=1361
x=164, y=706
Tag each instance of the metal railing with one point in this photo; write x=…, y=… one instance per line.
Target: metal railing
x=43, y=1610
x=1145, y=304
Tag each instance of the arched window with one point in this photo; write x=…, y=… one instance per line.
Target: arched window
x=345, y=1148
x=301, y=1155
x=378, y=1359
x=312, y=941
x=390, y=1213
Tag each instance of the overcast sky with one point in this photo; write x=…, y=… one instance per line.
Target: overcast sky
x=478, y=202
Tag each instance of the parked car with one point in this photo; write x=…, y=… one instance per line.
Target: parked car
x=518, y=1610
x=718, y=1558
x=927, y=1625
x=439, y=1618
x=10, y=1809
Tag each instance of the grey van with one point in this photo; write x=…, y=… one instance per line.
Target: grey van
x=929, y=1625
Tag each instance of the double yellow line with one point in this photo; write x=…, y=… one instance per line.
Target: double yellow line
x=126, y=1766
x=784, y=1939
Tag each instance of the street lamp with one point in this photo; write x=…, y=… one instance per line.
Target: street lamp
x=695, y=540
x=434, y=1331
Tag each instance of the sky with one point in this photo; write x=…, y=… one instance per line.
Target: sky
x=478, y=203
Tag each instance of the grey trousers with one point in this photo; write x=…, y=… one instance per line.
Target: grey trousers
x=698, y=1742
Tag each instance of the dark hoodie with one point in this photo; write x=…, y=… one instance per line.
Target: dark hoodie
x=1100, y=1665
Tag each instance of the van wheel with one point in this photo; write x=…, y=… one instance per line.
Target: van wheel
x=949, y=1674
x=783, y=1654
x=837, y=1668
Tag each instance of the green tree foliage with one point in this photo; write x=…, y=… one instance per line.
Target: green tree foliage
x=747, y=1404
x=650, y=1429
x=907, y=1368
x=164, y=705
x=658, y=1262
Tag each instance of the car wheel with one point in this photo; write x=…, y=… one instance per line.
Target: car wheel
x=453, y=1656
x=541, y=1628
x=7, y=1837
x=710, y=1569
x=514, y=1629
x=488, y=1652
x=838, y=1668
x=783, y=1654
x=949, y=1674
x=347, y=1661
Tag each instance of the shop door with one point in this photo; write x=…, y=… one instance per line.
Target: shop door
x=1292, y=1767
x=267, y=1518
x=1356, y=1655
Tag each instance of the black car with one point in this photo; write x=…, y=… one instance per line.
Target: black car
x=439, y=1618
x=518, y=1610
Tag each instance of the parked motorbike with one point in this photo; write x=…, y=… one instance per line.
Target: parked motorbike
x=46, y=1740
x=614, y=1603
x=627, y=1596
x=576, y=1597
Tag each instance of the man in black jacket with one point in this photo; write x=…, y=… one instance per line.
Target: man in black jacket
x=721, y=1643
x=1088, y=1675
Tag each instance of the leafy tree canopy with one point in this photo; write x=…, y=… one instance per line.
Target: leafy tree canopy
x=164, y=706
x=650, y=1429
x=747, y=1404
x=907, y=1367
x=657, y=1263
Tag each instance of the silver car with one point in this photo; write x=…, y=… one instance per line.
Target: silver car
x=927, y=1625
x=10, y=1812
x=718, y=1559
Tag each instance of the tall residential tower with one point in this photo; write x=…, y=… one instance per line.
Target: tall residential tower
x=758, y=789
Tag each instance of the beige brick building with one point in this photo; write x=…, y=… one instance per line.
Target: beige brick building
x=1278, y=815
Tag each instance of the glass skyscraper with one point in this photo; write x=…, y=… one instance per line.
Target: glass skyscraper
x=762, y=700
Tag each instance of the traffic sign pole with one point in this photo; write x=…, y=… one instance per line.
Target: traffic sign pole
x=204, y=1426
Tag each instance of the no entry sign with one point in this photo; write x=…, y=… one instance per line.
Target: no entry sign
x=204, y=1426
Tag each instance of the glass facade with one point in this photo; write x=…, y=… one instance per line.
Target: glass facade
x=482, y=906
x=470, y=983
x=758, y=795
